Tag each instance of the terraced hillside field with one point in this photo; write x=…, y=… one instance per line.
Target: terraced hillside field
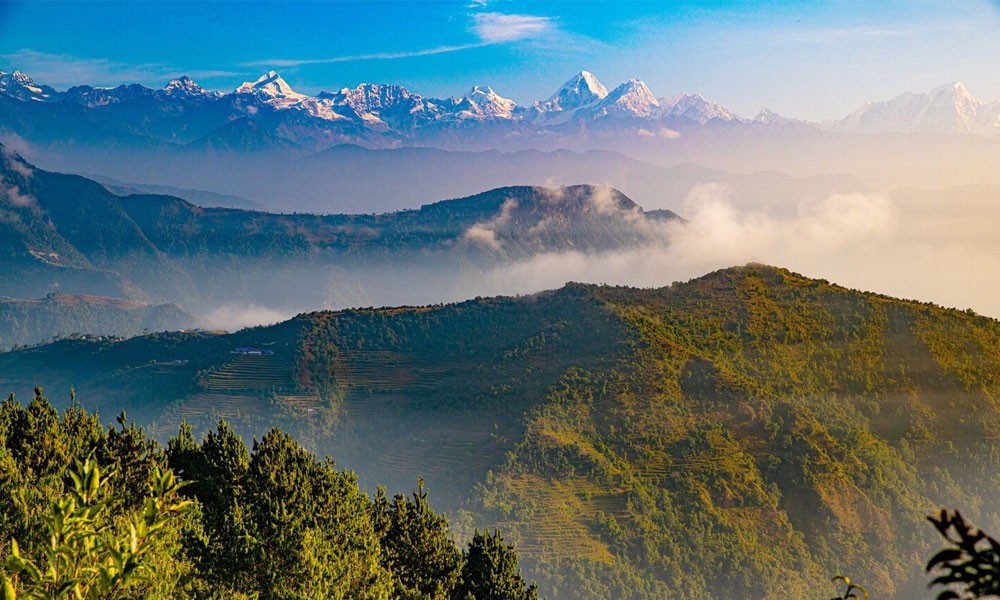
x=441, y=392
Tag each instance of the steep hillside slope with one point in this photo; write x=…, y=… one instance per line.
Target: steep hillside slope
x=743, y=435
x=67, y=233
x=767, y=431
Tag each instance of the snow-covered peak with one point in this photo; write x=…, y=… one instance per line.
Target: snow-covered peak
x=957, y=95
x=270, y=84
x=582, y=89
x=484, y=102
x=375, y=96
x=479, y=90
x=631, y=99
x=18, y=85
x=946, y=109
x=766, y=116
x=955, y=89
x=17, y=78
x=695, y=107
x=589, y=80
x=183, y=85
x=372, y=102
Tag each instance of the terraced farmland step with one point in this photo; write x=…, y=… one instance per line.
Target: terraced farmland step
x=251, y=372
x=300, y=401
x=386, y=370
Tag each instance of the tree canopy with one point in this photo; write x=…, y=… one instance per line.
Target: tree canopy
x=95, y=512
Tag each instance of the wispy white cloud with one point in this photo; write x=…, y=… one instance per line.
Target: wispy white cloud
x=495, y=28
x=64, y=70
x=490, y=28
x=485, y=233
x=293, y=62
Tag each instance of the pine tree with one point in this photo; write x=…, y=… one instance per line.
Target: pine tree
x=216, y=470
x=312, y=525
x=418, y=551
x=491, y=571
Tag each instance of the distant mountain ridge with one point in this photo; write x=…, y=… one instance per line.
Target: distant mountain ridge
x=386, y=115
x=950, y=108
x=275, y=146
x=65, y=233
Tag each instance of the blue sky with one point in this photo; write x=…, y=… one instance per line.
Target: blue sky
x=807, y=59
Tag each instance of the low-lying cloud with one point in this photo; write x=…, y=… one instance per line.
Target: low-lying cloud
x=932, y=246
x=12, y=193
x=12, y=159
x=485, y=232
x=664, y=133
x=866, y=241
x=20, y=168
x=233, y=317
x=719, y=233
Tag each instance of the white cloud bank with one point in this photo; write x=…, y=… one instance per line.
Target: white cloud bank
x=232, y=317
x=864, y=241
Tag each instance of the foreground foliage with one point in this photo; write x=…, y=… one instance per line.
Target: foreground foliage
x=852, y=591
x=94, y=513
x=491, y=573
x=416, y=544
x=88, y=557
x=970, y=566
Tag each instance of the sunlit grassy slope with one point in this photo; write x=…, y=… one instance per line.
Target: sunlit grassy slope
x=746, y=434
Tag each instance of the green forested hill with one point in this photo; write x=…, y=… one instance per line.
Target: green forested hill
x=765, y=430
x=746, y=434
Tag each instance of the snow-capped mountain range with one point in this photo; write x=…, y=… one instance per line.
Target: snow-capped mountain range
x=582, y=98
x=385, y=115
x=947, y=109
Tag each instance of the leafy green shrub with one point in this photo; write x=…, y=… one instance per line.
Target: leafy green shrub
x=91, y=555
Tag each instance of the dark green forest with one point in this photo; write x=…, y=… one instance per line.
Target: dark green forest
x=96, y=512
